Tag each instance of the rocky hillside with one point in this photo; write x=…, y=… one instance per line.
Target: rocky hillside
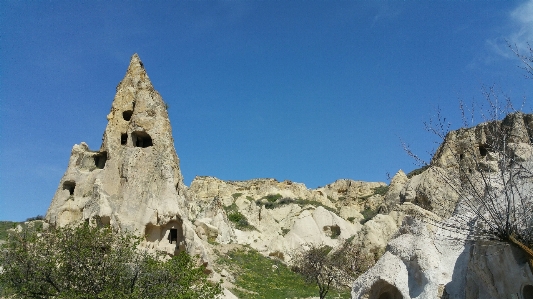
x=134, y=183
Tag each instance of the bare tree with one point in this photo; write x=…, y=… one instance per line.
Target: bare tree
x=490, y=167
x=332, y=268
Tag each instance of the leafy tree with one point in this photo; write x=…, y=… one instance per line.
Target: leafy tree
x=90, y=262
x=332, y=268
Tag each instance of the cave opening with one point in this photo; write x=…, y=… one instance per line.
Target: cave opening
x=70, y=186
x=483, y=150
x=127, y=115
x=141, y=139
x=100, y=159
x=123, y=138
x=173, y=236
x=527, y=292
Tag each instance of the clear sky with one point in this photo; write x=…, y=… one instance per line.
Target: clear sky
x=309, y=91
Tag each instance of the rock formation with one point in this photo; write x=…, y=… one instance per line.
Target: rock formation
x=428, y=257
x=134, y=181
x=284, y=216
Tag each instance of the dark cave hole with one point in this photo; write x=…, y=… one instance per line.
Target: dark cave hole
x=127, y=115
x=141, y=139
x=70, y=186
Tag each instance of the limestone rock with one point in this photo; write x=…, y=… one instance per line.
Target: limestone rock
x=474, y=142
x=341, y=194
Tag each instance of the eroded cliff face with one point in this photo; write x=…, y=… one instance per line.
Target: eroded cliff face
x=430, y=257
x=134, y=181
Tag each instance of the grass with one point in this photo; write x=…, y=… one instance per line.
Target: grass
x=265, y=278
x=236, y=195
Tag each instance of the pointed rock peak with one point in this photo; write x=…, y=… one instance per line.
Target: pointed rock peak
x=135, y=62
x=136, y=75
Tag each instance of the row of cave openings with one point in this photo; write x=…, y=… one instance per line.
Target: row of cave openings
x=138, y=138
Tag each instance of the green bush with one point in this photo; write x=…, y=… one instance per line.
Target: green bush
x=4, y=226
x=79, y=262
x=287, y=200
x=235, y=217
x=368, y=214
x=236, y=195
x=381, y=190
x=272, y=197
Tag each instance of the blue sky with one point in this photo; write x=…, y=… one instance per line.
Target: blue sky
x=310, y=91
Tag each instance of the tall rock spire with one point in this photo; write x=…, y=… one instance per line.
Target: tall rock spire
x=134, y=181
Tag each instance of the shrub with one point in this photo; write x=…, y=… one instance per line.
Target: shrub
x=236, y=217
x=272, y=197
x=38, y=217
x=236, y=195
x=381, y=190
x=368, y=214
x=90, y=262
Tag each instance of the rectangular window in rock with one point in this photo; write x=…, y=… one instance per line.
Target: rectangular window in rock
x=173, y=236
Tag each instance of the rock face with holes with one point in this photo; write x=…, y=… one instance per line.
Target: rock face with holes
x=134, y=181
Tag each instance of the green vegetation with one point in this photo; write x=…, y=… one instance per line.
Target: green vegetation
x=90, y=262
x=259, y=277
x=417, y=171
x=249, y=198
x=236, y=195
x=241, y=222
x=368, y=213
x=351, y=219
x=330, y=270
x=272, y=197
x=381, y=190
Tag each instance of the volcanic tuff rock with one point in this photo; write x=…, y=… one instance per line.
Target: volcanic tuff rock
x=284, y=216
x=134, y=181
